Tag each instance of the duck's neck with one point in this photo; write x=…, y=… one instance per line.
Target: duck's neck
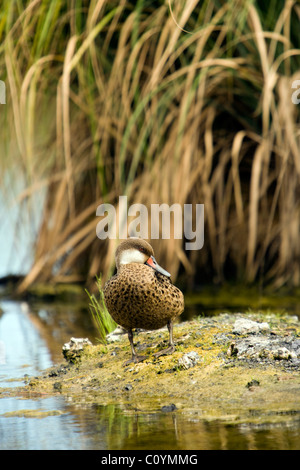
x=131, y=256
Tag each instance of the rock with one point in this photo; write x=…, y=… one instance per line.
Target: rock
x=188, y=360
x=58, y=371
x=253, y=383
x=74, y=348
x=232, y=350
x=284, y=353
x=243, y=326
x=168, y=408
x=116, y=334
x=265, y=347
x=57, y=386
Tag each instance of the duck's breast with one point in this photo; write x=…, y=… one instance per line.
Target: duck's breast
x=139, y=297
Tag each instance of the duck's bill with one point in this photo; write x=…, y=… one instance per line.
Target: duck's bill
x=152, y=262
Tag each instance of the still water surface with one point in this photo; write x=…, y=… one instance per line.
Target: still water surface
x=31, y=340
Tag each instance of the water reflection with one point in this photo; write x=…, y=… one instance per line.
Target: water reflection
x=23, y=351
x=111, y=427
x=129, y=430
x=57, y=322
x=31, y=340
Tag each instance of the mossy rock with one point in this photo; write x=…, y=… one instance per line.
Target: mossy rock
x=216, y=383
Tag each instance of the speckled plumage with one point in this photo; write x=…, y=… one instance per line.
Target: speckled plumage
x=139, y=296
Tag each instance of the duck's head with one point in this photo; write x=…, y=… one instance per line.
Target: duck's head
x=137, y=250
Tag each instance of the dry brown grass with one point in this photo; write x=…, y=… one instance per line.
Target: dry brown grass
x=147, y=110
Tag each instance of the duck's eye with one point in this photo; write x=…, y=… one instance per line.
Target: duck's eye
x=142, y=250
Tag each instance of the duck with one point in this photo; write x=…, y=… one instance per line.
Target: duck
x=141, y=294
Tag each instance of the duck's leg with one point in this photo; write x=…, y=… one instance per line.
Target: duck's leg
x=135, y=358
x=171, y=347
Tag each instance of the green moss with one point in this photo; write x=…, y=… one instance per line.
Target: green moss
x=32, y=413
x=218, y=385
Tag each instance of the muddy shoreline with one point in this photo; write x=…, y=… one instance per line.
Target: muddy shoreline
x=219, y=370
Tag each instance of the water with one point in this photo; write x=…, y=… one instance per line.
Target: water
x=31, y=340
x=22, y=350
x=112, y=427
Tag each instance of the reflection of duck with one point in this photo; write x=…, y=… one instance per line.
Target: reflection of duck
x=141, y=294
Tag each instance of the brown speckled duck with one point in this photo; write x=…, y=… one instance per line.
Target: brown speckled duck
x=141, y=294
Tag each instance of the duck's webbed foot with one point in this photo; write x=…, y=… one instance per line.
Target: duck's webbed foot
x=165, y=352
x=135, y=359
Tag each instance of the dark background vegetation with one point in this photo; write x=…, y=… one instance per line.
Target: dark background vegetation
x=166, y=101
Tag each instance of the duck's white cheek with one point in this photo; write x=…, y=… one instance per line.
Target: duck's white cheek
x=132, y=256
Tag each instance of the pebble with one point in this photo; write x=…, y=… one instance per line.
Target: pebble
x=284, y=353
x=57, y=386
x=76, y=344
x=168, y=408
x=74, y=348
x=188, y=360
x=253, y=383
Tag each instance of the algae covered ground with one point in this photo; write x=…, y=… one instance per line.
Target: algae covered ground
x=249, y=375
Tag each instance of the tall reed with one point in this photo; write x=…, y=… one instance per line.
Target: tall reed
x=101, y=317
x=174, y=102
